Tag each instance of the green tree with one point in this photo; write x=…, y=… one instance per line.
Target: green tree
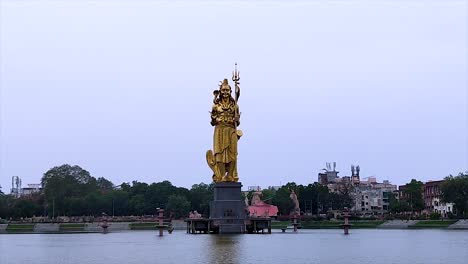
x=138, y=188
x=63, y=183
x=200, y=197
x=393, y=203
x=178, y=205
x=413, y=192
x=119, y=202
x=314, y=198
x=104, y=184
x=137, y=204
x=282, y=200
x=157, y=195
x=126, y=187
x=98, y=203
x=268, y=195
x=344, y=197
x=25, y=208
x=455, y=190
x=4, y=208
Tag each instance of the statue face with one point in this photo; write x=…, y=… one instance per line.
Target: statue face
x=225, y=91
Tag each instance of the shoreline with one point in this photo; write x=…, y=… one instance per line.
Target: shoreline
x=83, y=228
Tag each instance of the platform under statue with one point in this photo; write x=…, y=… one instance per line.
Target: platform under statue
x=227, y=211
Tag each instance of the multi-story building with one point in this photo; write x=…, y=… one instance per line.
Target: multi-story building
x=373, y=197
x=369, y=196
x=432, y=199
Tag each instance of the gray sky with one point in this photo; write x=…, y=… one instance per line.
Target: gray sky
x=123, y=88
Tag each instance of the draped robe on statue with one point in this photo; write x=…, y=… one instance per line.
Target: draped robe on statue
x=225, y=138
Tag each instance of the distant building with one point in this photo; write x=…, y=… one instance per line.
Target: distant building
x=432, y=199
x=18, y=191
x=369, y=196
x=402, y=195
x=31, y=189
x=372, y=196
x=254, y=188
x=329, y=175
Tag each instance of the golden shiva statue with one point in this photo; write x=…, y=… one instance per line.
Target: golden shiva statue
x=225, y=117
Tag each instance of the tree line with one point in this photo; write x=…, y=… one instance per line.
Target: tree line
x=72, y=191
x=313, y=198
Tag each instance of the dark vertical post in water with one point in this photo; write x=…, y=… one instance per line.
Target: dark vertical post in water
x=295, y=223
x=161, y=221
x=346, y=224
x=104, y=224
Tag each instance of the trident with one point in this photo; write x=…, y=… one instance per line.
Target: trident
x=236, y=78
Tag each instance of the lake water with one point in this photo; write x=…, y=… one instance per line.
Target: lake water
x=306, y=246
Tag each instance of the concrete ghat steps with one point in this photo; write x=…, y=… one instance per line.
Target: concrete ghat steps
x=113, y=226
x=460, y=224
x=179, y=225
x=397, y=224
x=46, y=227
x=92, y=227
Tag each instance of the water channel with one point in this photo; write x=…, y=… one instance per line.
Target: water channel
x=306, y=246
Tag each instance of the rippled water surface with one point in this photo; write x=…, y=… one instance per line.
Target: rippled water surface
x=307, y=246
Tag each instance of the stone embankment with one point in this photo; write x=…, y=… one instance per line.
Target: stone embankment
x=461, y=224
x=84, y=228
x=181, y=225
x=46, y=228
x=114, y=226
x=397, y=224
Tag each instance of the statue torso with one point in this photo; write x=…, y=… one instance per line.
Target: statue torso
x=224, y=113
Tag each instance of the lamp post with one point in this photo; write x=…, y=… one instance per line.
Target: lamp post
x=318, y=212
x=53, y=209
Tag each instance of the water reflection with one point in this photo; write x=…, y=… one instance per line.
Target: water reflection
x=225, y=248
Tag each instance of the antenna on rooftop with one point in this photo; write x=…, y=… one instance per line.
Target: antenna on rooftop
x=16, y=186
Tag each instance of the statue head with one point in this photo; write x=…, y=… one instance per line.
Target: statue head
x=225, y=89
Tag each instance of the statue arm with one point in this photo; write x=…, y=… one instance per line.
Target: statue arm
x=214, y=115
x=237, y=116
x=237, y=91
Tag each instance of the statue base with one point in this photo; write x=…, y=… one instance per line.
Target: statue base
x=227, y=211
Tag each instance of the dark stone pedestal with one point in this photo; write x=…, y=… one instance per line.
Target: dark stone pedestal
x=228, y=210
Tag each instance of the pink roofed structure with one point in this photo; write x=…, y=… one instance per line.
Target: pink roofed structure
x=261, y=209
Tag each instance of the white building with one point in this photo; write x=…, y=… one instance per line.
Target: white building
x=31, y=189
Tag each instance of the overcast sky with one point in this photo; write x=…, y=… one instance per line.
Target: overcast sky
x=123, y=88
